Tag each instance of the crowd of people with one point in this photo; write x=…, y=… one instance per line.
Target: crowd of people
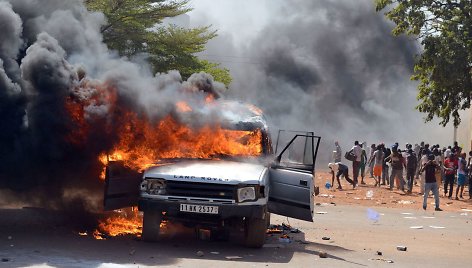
x=430, y=167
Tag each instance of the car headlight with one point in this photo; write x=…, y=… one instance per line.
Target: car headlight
x=247, y=194
x=154, y=186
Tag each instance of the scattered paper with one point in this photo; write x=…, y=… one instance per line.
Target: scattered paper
x=233, y=257
x=405, y=202
x=428, y=217
x=437, y=227
x=407, y=213
x=464, y=214
x=468, y=210
x=409, y=217
x=321, y=212
x=416, y=227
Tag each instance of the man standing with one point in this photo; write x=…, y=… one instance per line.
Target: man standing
x=337, y=152
x=356, y=164
x=411, y=165
x=376, y=160
x=461, y=175
x=397, y=161
x=450, y=166
x=430, y=182
x=363, y=161
x=373, y=148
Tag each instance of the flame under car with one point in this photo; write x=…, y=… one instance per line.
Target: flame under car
x=228, y=191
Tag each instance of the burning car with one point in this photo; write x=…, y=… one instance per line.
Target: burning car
x=236, y=184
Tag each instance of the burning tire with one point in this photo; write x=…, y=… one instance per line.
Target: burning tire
x=151, y=225
x=255, y=232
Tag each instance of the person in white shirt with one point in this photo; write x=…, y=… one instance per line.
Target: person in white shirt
x=340, y=169
x=356, y=164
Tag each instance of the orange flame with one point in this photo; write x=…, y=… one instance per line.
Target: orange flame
x=140, y=141
x=121, y=225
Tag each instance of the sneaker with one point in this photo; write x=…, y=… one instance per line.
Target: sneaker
x=438, y=209
x=362, y=182
x=457, y=198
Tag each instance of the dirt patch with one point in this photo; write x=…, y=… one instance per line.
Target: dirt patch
x=382, y=196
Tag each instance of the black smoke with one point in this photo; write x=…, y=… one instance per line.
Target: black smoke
x=52, y=53
x=332, y=67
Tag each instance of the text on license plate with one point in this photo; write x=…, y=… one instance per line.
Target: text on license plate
x=199, y=209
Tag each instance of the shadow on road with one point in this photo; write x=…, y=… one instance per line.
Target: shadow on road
x=36, y=236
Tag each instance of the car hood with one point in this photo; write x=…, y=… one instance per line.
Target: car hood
x=209, y=171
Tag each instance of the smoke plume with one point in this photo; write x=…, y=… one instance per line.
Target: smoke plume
x=54, y=64
x=332, y=67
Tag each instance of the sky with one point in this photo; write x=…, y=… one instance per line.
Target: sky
x=332, y=67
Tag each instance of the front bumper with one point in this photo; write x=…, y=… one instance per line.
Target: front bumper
x=225, y=211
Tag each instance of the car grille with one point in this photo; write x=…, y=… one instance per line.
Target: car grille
x=201, y=190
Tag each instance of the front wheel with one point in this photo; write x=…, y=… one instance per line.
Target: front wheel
x=151, y=225
x=255, y=232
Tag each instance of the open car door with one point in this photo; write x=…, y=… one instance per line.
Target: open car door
x=291, y=176
x=121, y=186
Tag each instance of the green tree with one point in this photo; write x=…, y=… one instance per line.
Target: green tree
x=135, y=26
x=444, y=67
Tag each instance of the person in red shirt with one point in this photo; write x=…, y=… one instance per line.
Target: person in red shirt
x=450, y=167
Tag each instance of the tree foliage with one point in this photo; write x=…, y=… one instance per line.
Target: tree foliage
x=443, y=69
x=135, y=26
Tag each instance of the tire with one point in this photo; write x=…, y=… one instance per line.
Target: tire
x=151, y=225
x=255, y=232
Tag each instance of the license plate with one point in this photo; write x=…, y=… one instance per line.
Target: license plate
x=199, y=209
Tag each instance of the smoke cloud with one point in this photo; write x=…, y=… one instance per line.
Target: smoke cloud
x=332, y=67
x=52, y=57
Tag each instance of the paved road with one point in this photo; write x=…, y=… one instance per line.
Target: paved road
x=39, y=238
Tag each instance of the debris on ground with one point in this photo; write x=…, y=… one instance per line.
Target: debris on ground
x=323, y=254
x=132, y=252
x=321, y=212
x=279, y=229
x=405, y=202
x=437, y=227
x=233, y=257
x=325, y=238
x=326, y=195
x=416, y=227
x=284, y=239
x=379, y=253
x=401, y=248
x=373, y=215
x=200, y=253
x=382, y=259
x=369, y=194
x=215, y=252
x=5, y=259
